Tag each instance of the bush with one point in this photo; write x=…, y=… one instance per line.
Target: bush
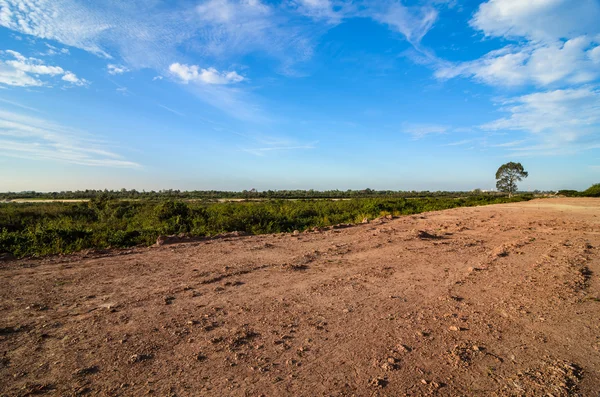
x=53, y=228
x=592, y=191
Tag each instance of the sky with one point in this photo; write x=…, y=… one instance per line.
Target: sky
x=298, y=94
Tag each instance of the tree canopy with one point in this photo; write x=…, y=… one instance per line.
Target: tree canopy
x=508, y=175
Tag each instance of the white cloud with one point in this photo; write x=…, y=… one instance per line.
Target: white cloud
x=146, y=34
x=319, y=10
x=52, y=50
x=223, y=11
x=538, y=20
x=39, y=139
x=193, y=73
x=35, y=68
x=261, y=151
x=73, y=79
x=14, y=77
x=556, y=43
x=233, y=27
x=116, y=69
x=171, y=110
x=412, y=22
x=558, y=121
x=573, y=62
x=459, y=143
x=594, y=55
x=419, y=130
x=23, y=71
x=62, y=20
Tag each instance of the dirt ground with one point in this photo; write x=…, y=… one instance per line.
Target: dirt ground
x=499, y=300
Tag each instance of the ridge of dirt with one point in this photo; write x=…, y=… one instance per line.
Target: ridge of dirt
x=499, y=300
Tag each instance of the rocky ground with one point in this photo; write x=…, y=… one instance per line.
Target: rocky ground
x=491, y=301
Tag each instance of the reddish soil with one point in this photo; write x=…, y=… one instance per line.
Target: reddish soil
x=489, y=301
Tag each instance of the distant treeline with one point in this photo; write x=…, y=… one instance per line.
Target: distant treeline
x=33, y=229
x=592, y=191
x=245, y=194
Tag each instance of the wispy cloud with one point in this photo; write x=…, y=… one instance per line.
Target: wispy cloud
x=459, y=143
x=261, y=151
x=21, y=71
x=260, y=144
x=140, y=34
x=171, y=110
x=52, y=50
x=510, y=144
x=146, y=34
x=413, y=22
x=29, y=137
x=19, y=105
x=421, y=130
x=571, y=62
x=326, y=10
x=557, y=122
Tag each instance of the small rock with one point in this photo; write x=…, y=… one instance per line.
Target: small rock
x=378, y=382
x=296, y=233
x=201, y=357
x=87, y=371
x=454, y=328
x=160, y=240
x=403, y=348
x=423, y=381
x=389, y=367
x=136, y=358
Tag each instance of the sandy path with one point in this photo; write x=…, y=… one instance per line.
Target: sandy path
x=497, y=300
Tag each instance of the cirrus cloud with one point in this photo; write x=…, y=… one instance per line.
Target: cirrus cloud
x=557, y=121
x=34, y=138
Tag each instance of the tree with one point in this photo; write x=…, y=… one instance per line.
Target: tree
x=508, y=175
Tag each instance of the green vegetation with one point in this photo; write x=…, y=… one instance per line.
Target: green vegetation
x=171, y=194
x=34, y=229
x=592, y=191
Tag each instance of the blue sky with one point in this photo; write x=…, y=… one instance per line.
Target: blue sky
x=298, y=94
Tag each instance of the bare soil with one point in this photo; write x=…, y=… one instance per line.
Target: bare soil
x=499, y=300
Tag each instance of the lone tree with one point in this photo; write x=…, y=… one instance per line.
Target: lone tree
x=508, y=175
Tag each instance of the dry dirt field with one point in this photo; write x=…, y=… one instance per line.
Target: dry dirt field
x=499, y=300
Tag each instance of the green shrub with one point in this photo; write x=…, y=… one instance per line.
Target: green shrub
x=53, y=228
x=592, y=191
